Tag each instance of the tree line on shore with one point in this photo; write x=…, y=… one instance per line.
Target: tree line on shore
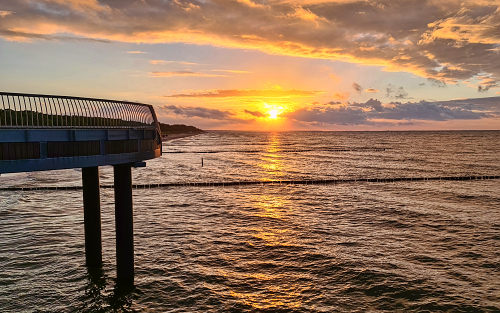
x=167, y=129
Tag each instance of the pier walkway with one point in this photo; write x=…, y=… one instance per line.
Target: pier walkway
x=48, y=132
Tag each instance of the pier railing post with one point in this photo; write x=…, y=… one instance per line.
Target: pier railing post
x=124, y=225
x=92, y=216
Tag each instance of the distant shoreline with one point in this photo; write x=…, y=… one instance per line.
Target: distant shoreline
x=177, y=136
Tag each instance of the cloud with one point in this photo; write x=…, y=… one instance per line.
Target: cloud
x=266, y=93
x=23, y=36
x=449, y=40
x=471, y=24
x=200, y=112
x=357, y=87
x=163, y=62
x=486, y=83
x=482, y=88
x=184, y=74
x=374, y=104
x=373, y=112
x=427, y=111
x=251, y=3
x=392, y=91
x=339, y=115
x=335, y=103
x=232, y=71
x=135, y=52
x=255, y=113
x=489, y=105
x=435, y=82
x=371, y=90
x=5, y=13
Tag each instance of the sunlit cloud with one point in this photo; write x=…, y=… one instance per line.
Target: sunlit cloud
x=270, y=93
x=252, y=4
x=233, y=71
x=255, y=113
x=28, y=37
x=5, y=13
x=84, y=6
x=135, y=52
x=449, y=40
x=371, y=90
x=486, y=82
x=474, y=24
x=184, y=74
x=163, y=62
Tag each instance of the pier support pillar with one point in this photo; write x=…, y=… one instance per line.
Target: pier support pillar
x=124, y=225
x=92, y=216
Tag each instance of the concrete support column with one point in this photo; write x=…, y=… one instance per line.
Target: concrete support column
x=124, y=225
x=92, y=216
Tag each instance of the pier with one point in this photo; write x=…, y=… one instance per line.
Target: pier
x=48, y=132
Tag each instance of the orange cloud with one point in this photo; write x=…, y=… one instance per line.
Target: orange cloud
x=466, y=28
x=5, y=13
x=233, y=71
x=271, y=93
x=85, y=6
x=163, y=62
x=251, y=4
x=183, y=73
x=135, y=52
x=431, y=42
x=371, y=90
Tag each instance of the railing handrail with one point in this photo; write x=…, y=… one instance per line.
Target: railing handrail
x=34, y=95
x=27, y=110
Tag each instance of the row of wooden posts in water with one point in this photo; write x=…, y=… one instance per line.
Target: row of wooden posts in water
x=271, y=182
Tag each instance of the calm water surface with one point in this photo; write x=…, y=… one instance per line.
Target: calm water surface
x=408, y=246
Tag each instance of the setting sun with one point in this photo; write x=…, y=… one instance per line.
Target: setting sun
x=273, y=111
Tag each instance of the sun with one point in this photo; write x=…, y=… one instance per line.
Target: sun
x=273, y=114
x=273, y=111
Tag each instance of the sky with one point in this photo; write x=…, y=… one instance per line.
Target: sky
x=265, y=65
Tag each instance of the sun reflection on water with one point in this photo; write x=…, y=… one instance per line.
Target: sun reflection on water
x=271, y=161
x=271, y=233
x=273, y=297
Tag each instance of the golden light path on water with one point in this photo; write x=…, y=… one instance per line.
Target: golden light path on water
x=279, y=291
x=272, y=161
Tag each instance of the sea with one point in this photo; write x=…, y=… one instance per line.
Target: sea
x=357, y=246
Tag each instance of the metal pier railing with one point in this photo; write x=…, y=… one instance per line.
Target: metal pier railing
x=18, y=110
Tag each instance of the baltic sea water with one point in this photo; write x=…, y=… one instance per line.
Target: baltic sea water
x=405, y=246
